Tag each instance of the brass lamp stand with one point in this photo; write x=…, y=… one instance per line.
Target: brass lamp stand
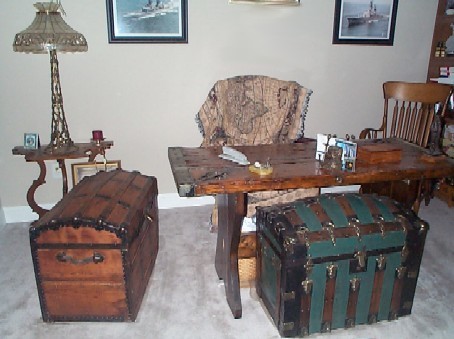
x=59, y=137
x=49, y=33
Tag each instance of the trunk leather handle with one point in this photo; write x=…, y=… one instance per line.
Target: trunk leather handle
x=95, y=258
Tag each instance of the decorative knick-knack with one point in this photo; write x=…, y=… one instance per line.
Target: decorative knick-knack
x=450, y=43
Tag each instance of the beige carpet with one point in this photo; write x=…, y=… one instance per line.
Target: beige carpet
x=185, y=299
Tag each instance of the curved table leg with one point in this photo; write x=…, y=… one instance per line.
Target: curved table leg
x=31, y=191
x=231, y=212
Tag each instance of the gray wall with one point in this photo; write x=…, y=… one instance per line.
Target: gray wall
x=145, y=96
x=2, y=215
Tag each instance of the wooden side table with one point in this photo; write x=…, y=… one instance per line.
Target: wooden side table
x=81, y=150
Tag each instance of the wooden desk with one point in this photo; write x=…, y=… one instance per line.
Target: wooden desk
x=81, y=150
x=199, y=171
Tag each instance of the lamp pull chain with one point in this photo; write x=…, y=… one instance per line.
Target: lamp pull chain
x=60, y=6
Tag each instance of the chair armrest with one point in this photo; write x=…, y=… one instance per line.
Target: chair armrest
x=371, y=133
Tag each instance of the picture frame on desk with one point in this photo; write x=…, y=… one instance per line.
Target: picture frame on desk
x=365, y=22
x=84, y=169
x=147, y=22
x=31, y=141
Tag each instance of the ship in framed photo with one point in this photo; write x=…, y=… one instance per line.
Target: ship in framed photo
x=369, y=16
x=154, y=9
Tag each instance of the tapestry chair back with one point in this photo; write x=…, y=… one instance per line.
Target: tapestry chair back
x=252, y=110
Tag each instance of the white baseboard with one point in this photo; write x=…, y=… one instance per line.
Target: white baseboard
x=165, y=201
x=2, y=216
x=341, y=189
x=22, y=213
x=173, y=200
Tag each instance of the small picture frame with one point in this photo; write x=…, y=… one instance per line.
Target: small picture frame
x=31, y=141
x=349, y=149
x=84, y=169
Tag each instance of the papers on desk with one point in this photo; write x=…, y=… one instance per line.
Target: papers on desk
x=248, y=225
x=231, y=154
x=449, y=80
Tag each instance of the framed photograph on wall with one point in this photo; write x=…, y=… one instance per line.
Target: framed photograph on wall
x=367, y=22
x=84, y=169
x=147, y=21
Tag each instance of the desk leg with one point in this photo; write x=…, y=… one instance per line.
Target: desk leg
x=31, y=191
x=231, y=209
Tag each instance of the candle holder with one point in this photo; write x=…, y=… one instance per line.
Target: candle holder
x=97, y=137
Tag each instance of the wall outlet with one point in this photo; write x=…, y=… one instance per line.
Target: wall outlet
x=56, y=170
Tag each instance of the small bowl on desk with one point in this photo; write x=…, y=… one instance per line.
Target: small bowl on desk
x=262, y=170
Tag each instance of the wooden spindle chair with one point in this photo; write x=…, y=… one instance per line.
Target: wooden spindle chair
x=410, y=109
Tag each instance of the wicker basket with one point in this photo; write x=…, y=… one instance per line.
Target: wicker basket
x=246, y=259
x=246, y=268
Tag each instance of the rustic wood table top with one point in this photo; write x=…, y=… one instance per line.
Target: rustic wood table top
x=199, y=171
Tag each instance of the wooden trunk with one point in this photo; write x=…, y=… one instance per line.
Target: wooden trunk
x=336, y=261
x=94, y=252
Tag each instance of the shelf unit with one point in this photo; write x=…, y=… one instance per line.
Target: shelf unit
x=442, y=31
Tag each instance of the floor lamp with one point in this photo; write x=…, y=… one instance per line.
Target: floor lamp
x=49, y=33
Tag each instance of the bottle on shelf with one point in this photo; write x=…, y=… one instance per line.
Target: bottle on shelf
x=438, y=50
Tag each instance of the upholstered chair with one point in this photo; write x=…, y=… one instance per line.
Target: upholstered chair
x=251, y=110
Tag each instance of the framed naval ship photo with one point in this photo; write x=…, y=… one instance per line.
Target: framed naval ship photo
x=368, y=22
x=147, y=21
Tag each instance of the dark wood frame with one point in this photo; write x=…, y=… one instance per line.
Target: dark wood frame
x=146, y=37
x=367, y=40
